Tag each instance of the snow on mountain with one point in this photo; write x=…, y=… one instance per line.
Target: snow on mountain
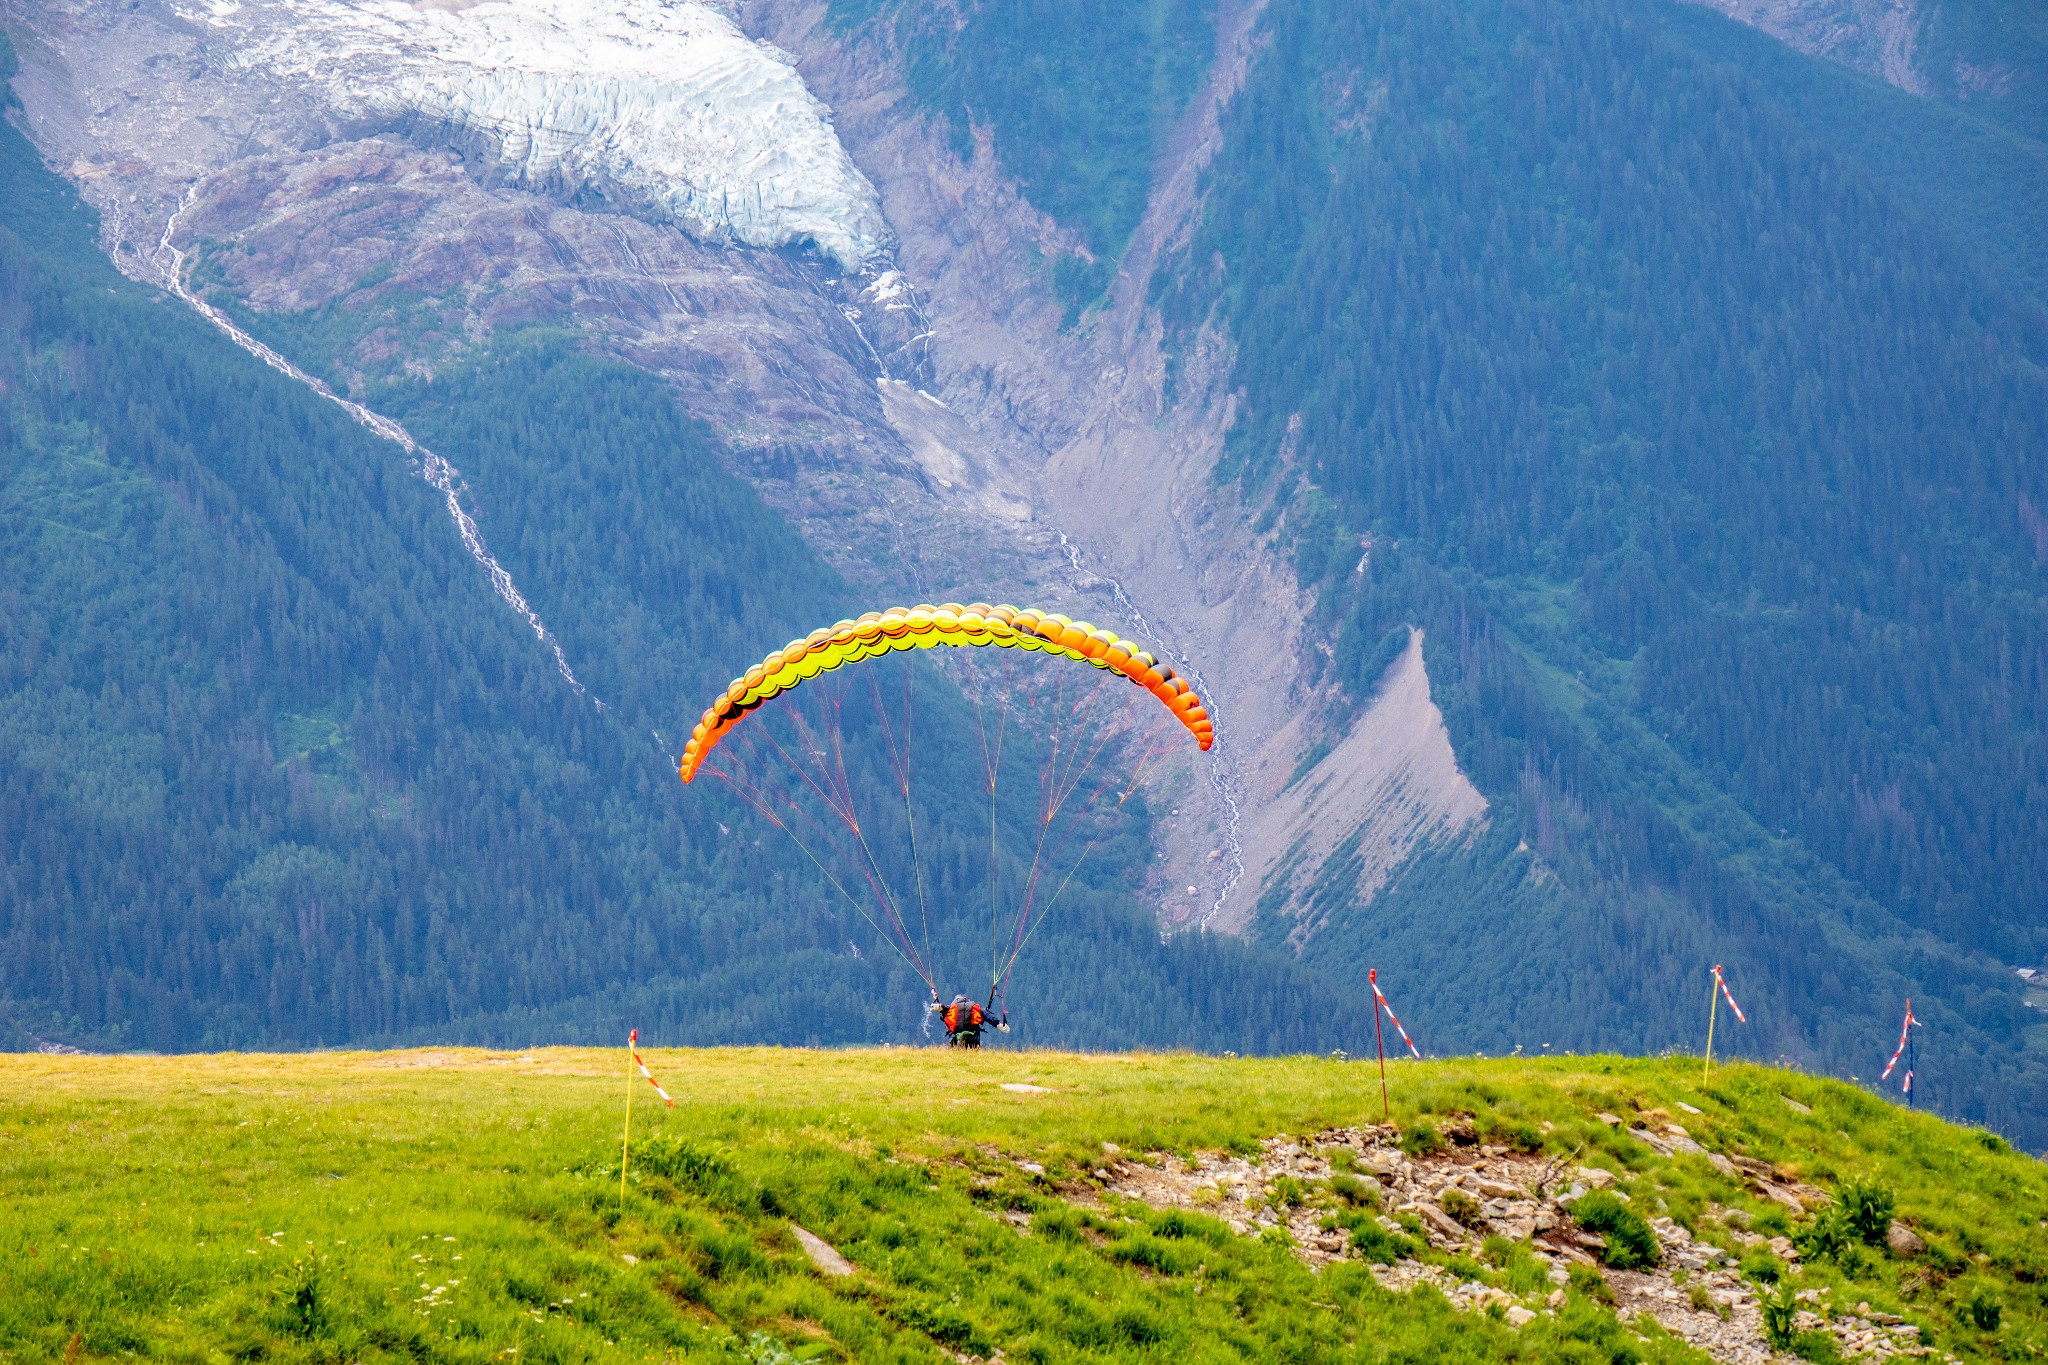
x=664, y=110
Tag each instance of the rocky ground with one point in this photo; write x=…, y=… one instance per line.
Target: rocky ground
x=1458, y=1198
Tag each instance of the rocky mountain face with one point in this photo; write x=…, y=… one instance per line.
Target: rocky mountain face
x=855, y=309
x=1985, y=57
x=1879, y=37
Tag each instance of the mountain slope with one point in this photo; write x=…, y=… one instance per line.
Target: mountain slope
x=1706, y=469
x=1989, y=57
x=281, y=767
x=1978, y=182
x=1681, y=389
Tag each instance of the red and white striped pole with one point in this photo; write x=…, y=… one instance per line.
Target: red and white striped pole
x=1905, y=1041
x=1379, y=995
x=1715, y=994
x=626, y=1142
x=1380, y=1003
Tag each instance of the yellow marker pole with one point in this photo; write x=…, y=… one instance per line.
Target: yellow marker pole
x=1713, y=1004
x=626, y=1142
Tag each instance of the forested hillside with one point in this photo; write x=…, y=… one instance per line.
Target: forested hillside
x=1075, y=99
x=280, y=768
x=1713, y=474
x=1976, y=176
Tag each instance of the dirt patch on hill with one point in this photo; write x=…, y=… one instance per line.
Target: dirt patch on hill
x=1453, y=1201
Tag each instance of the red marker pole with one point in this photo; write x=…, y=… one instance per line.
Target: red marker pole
x=1386, y=1110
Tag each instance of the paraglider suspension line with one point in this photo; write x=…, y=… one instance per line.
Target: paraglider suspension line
x=900, y=760
x=745, y=794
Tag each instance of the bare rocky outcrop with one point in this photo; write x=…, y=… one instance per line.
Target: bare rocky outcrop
x=1878, y=37
x=287, y=209
x=1390, y=785
x=1455, y=1199
x=1080, y=425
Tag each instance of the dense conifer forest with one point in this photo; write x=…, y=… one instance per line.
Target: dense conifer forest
x=1711, y=470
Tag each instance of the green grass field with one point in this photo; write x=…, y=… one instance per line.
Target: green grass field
x=464, y=1205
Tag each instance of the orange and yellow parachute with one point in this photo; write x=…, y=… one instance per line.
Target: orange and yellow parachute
x=921, y=627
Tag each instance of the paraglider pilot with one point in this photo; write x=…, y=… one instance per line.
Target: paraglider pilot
x=964, y=1021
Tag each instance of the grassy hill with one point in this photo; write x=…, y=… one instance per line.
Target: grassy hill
x=464, y=1205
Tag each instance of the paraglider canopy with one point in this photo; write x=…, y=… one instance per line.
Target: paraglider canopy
x=882, y=632
x=1068, y=739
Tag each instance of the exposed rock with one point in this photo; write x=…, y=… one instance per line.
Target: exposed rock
x=821, y=1252
x=1903, y=1241
x=1782, y=1194
x=1714, y=1308
x=1877, y=37
x=1681, y=1141
x=1079, y=421
x=1449, y=1229
x=1390, y=785
x=664, y=110
x=924, y=419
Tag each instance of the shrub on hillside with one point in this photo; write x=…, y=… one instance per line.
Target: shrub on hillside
x=1984, y=1309
x=1372, y=1241
x=1519, y=1134
x=1462, y=1207
x=1630, y=1243
x=1826, y=1237
x=1591, y=1283
x=1867, y=1207
x=1421, y=1138
x=1781, y=1328
x=1376, y=1244
x=1760, y=1267
x=1781, y=1316
x=301, y=1304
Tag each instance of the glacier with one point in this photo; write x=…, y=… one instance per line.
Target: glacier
x=664, y=110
